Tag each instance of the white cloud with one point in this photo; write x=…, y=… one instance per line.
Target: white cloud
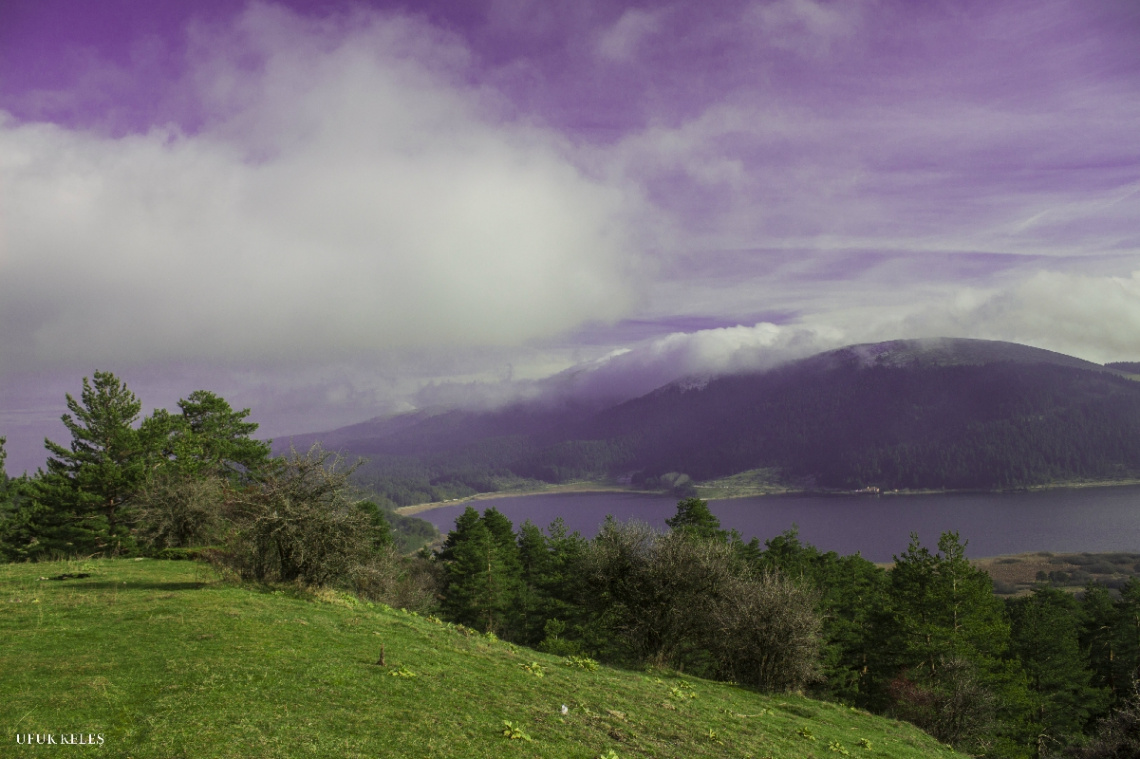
x=1093, y=317
x=620, y=42
x=349, y=195
x=805, y=26
x=627, y=373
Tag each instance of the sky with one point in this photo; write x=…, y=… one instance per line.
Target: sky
x=328, y=211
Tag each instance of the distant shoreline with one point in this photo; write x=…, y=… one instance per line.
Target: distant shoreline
x=419, y=508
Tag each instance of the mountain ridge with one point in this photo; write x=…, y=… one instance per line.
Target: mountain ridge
x=944, y=413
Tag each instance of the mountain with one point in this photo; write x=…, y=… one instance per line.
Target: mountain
x=1128, y=367
x=916, y=414
x=905, y=414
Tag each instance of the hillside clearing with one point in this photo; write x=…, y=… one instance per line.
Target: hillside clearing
x=163, y=659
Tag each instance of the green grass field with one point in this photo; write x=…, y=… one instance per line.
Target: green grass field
x=163, y=659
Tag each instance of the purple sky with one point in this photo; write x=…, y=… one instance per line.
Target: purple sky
x=328, y=211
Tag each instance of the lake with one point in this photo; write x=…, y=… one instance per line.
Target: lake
x=1076, y=519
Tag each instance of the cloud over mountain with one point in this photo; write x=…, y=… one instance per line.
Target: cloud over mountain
x=345, y=195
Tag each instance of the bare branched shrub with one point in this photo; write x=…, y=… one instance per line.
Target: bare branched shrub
x=403, y=582
x=766, y=632
x=619, y=591
x=301, y=523
x=955, y=708
x=685, y=582
x=688, y=602
x=174, y=511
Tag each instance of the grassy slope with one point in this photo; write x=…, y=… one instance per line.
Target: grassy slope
x=165, y=661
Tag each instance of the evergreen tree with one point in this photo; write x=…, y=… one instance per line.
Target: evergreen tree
x=694, y=518
x=850, y=593
x=563, y=587
x=198, y=456
x=1117, y=736
x=549, y=599
x=380, y=534
x=791, y=557
x=17, y=533
x=533, y=601
x=6, y=486
x=215, y=439
x=1045, y=638
x=1129, y=627
x=464, y=525
x=852, y=596
x=945, y=607
x=944, y=637
x=88, y=486
x=1100, y=640
x=482, y=572
x=208, y=439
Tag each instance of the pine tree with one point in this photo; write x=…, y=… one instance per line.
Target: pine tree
x=8, y=516
x=87, y=488
x=945, y=607
x=482, y=572
x=18, y=538
x=1045, y=638
x=464, y=525
x=533, y=600
x=694, y=518
x=790, y=556
x=944, y=637
x=380, y=534
x=563, y=584
x=215, y=439
x=1099, y=638
x=852, y=595
x=1129, y=627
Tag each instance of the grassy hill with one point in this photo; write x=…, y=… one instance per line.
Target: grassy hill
x=162, y=659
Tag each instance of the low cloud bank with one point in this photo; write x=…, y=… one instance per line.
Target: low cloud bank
x=346, y=195
x=1093, y=317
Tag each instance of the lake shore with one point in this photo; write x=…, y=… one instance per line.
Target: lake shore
x=586, y=487
x=576, y=487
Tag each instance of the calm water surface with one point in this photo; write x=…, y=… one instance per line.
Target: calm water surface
x=1084, y=519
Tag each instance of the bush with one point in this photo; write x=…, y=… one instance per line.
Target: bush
x=652, y=593
x=176, y=511
x=1102, y=568
x=301, y=523
x=766, y=633
x=403, y=582
x=955, y=707
x=687, y=602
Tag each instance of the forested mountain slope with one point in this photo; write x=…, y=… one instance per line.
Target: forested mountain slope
x=945, y=413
